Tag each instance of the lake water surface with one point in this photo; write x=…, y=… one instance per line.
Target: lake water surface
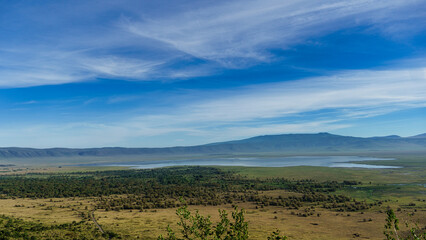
x=319, y=161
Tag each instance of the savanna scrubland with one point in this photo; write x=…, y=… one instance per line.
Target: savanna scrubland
x=301, y=202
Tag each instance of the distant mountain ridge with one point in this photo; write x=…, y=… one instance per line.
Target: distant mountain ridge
x=284, y=143
x=419, y=136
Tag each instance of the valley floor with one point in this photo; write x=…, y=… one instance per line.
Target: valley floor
x=126, y=214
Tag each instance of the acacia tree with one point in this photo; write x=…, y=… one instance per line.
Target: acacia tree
x=392, y=228
x=198, y=227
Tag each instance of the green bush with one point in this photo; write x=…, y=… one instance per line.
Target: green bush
x=198, y=227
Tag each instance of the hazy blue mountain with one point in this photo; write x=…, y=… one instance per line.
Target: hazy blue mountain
x=285, y=143
x=390, y=136
x=419, y=136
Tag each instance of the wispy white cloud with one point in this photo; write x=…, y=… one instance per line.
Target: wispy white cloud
x=284, y=107
x=119, y=67
x=78, y=42
x=27, y=102
x=29, y=67
x=351, y=91
x=239, y=33
x=246, y=111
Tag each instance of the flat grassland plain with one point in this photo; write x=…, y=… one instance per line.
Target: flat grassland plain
x=302, y=202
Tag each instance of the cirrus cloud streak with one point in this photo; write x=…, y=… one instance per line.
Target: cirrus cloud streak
x=285, y=107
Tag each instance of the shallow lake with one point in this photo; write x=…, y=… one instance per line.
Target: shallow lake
x=320, y=161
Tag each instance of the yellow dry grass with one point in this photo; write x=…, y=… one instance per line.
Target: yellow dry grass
x=50, y=211
x=148, y=224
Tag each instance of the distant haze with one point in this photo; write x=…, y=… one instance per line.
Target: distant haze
x=286, y=143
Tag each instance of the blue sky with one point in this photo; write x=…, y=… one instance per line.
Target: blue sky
x=166, y=73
